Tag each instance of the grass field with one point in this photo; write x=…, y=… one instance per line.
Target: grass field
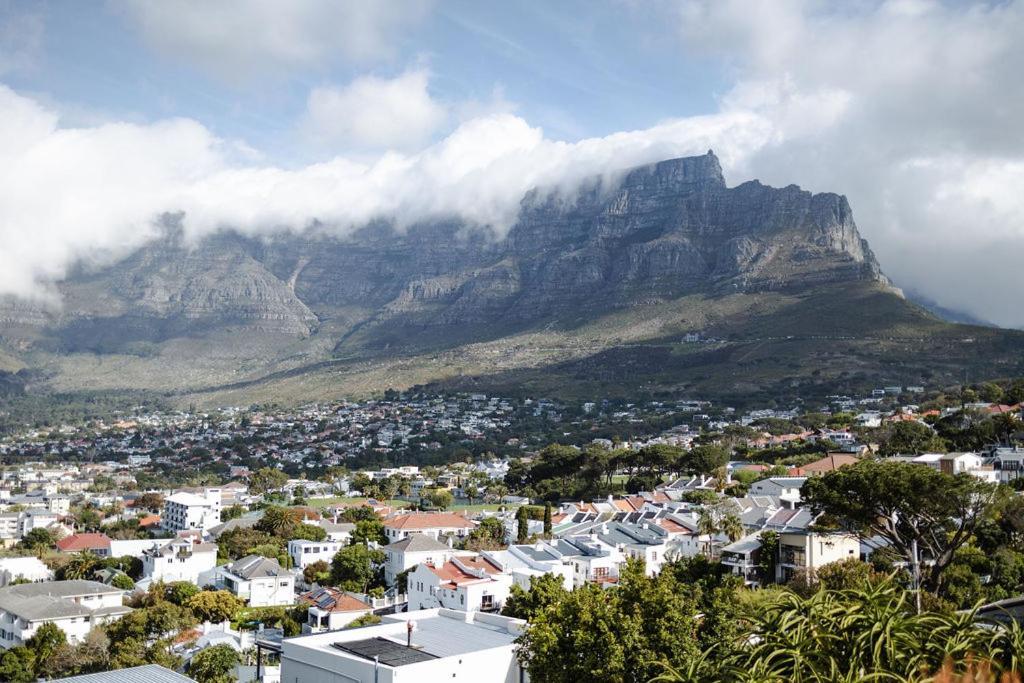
x=321, y=503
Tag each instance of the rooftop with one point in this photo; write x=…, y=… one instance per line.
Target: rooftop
x=150, y=673
x=429, y=520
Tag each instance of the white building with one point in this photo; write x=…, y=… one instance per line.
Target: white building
x=331, y=610
x=445, y=646
x=465, y=583
x=26, y=568
x=433, y=524
x=411, y=551
x=180, y=559
x=305, y=553
x=73, y=606
x=185, y=511
x=259, y=580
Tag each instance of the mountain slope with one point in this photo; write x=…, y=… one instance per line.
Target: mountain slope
x=592, y=291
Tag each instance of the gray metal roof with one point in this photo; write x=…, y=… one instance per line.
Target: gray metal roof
x=150, y=673
x=257, y=567
x=50, y=599
x=415, y=543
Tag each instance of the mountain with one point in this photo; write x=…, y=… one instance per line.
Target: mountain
x=589, y=291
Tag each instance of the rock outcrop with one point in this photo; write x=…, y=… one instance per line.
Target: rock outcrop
x=658, y=232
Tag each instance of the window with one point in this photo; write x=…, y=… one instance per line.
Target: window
x=600, y=572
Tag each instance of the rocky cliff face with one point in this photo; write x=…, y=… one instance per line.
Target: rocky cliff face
x=658, y=232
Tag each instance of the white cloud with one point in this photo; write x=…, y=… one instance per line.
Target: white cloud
x=919, y=123
x=97, y=192
x=374, y=113
x=240, y=39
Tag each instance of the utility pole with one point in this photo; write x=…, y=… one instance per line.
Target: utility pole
x=916, y=568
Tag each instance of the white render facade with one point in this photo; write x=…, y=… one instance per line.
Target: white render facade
x=185, y=511
x=75, y=607
x=259, y=580
x=180, y=559
x=305, y=553
x=448, y=645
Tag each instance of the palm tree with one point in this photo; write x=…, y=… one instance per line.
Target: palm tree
x=80, y=566
x=707, y=525
x=732, y=526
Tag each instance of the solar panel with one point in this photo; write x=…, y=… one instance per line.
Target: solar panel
x=386, y=651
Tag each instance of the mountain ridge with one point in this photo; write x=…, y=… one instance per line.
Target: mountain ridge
x=236, y=311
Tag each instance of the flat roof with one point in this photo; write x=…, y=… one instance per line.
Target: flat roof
x=385, y=651
x=439, y=633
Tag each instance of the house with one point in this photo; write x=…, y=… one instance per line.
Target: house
x=97, y=544
x=305, y=553
x=590, y=559
x=538, y=559
x=73, y=606
x=147, y=673
x=259, y=580
x=337, y=531
x=785, y=488
x=331, y=609
x=186, y=511
x=426, y=646
x=830, y=463
x=466, y=583
x=411, y=551
x=180, y=559
x=802, y=548
x=433, y=524
x=1008, y=463
x=25, y=568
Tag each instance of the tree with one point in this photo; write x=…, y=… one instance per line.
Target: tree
x=592, y=634
x=544, y=591
x=214, y=664
x=704, y=459
x=547, y=520
x=365, y=620
x=279, y=521
x=38, y=540
x=123, y=581
x=266, y=479
x=308, y=532
x=214, y=606
x=471, y=492
x=441, y=499
x=180, y=592
x=317, y=572
x=47, y=639
x=355, y=567
x=522, y=525
x=904, y=503
x=239, y=542
x=80, y=566
x=369, y=530
x=233, y=512
x=151, y=501
x=18, y=665
x=488, y=535
x=911, y=438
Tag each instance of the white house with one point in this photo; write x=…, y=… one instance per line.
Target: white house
x=331, y=610
x=73, y=606
x=411, y=551
x=260, y=580
x=185, y=511
x=465, y=583
x=427, y=646
x=26, y=568
x=305, y=553
x=786, y=488
x=432, y=524
x=180, y=559
x=539, y=559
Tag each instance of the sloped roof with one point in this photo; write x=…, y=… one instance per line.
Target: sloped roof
x=257, y=567
x=416, y=543
x=79, y=542
x=429, y=520
x=334, y=600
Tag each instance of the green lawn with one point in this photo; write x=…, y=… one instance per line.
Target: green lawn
x=322, y=503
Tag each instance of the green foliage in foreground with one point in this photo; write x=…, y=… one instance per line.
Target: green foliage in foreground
x=647, y=630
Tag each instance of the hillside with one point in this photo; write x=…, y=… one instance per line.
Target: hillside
x=591, y=292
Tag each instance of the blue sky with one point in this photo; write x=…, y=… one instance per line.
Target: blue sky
x=271, y=115
x=576, y=69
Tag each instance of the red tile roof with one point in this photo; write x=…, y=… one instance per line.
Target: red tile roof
x=79, y=542
x=149, y=520
x=429, y=520
x=343, y=602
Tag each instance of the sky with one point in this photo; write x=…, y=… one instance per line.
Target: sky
x=264, y=116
